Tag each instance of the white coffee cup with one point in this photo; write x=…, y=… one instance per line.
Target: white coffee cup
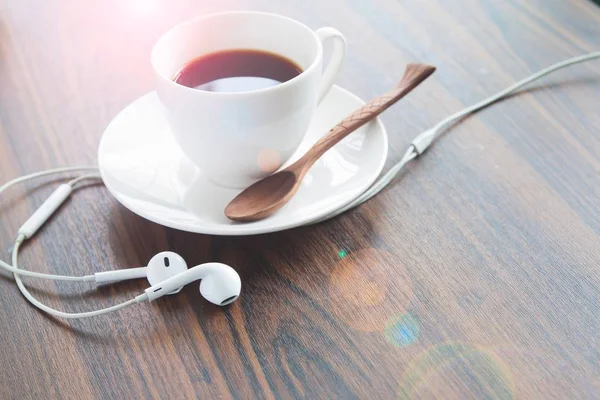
x=237, y=138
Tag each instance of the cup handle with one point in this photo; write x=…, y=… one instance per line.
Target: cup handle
x=337, y=58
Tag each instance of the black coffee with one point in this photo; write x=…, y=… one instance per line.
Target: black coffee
x=237, y=71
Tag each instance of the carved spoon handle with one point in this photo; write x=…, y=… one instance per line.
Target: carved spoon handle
x=413, y=76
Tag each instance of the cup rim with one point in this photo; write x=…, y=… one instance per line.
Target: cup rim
x=280, y=86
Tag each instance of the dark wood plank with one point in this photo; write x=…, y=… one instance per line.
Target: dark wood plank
x=474, y=276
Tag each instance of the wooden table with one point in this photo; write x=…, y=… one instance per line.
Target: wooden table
x=475, y=275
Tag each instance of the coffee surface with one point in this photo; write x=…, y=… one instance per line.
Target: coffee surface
x=237, y=71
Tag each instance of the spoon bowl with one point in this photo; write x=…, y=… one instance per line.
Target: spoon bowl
x=266, y=197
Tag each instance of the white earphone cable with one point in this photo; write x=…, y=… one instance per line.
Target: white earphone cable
x=422, y=141
x=8, y=267
x=46, y=173
x=417, y=147
x=75, y=181
x=85, y=278
x=15, y=253
x=52, y=311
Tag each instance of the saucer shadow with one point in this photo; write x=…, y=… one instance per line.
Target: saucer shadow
x=134, y=240
x=259, y=259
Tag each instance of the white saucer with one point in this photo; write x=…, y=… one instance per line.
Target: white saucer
x=145, y=170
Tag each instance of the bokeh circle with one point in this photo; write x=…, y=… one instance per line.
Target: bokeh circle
x=368, y=287
x=456, y=369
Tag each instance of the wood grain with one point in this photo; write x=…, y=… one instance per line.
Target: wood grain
x=475, y=275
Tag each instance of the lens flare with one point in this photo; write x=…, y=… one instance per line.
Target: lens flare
x=367, y=287
x=403, y=331
x=268, y=160
x=452, y=366
x=143, y=6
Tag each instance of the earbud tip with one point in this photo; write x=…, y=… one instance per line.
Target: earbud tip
x=222, y=288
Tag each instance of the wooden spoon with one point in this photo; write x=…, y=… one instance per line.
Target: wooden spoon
x=268, y=195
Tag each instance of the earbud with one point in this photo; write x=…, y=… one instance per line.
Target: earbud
x=161, y=267
x=164, y=266
x=220, y=284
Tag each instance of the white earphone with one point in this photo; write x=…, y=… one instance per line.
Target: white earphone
x=167, y=272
